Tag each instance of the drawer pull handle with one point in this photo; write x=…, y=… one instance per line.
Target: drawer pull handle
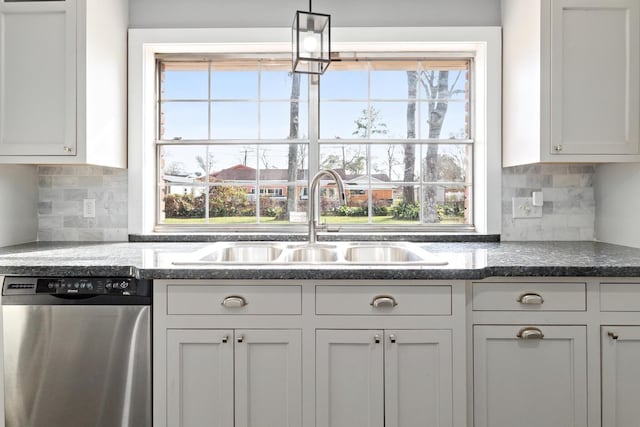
x=530, y=333
x=613, y=335
x=392, y=338
x=531, y=298
x=234, y=301
x=225, y=339
x=241, y=339
x=381, y=301
x=376, y=339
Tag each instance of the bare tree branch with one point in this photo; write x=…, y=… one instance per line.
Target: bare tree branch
x=455, y=82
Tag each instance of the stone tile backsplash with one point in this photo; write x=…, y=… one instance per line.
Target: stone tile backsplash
x=568, y=211
x=569, y=206
x=62, y=190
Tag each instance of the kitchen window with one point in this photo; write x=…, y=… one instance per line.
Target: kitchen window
x=236, y=135
x=396, y=129
x=233, y=141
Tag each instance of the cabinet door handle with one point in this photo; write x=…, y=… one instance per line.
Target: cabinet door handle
x=531, y=298
x=241, y=339
x=234, y=301
x=376, y=339
x=613, y=335
x=530, y=333
x=557, y=148
x=225, y=338
x=392, y=338
x=381, y=301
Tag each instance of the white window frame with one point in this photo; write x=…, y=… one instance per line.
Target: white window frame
x=484, y=43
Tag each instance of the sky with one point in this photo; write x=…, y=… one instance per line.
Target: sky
x=250, y=105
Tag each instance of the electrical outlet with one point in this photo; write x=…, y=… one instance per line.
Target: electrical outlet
x=89, y=208
x=537, y=198
x=523, y=208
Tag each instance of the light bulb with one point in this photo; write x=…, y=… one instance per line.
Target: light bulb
x=310, y=43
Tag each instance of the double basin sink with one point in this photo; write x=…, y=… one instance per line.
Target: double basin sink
x=346, y=253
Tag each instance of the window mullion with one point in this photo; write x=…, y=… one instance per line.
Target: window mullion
x=314, y=136
x=259, y=147
x=314, y=126
x=368, y=147
x=209, y=126
x=421, y=187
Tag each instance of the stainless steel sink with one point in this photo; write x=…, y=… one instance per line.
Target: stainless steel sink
x=389, y=253
x=312, y=253
x=249, y=253
x=282, y=253
x=380, y=254
x=234, y=252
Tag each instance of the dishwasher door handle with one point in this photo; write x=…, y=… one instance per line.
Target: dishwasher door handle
x=77, y=297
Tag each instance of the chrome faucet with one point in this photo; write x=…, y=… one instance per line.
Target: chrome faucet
x=314, y=196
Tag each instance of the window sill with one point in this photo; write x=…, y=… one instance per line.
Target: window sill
x=301, y=237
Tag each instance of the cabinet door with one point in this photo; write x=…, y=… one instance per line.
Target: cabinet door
x=620, y=376
x=530, y=382
x=349, y=378
x=38, y=78
x=199, y=378
x=268, y=378
x=418, y=378
x=595, y=76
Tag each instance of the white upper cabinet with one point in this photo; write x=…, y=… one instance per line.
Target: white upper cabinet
x=571, y=81
x=38, y=78
x=63, y=82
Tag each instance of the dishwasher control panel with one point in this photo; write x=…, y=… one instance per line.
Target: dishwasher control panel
x=71, y=285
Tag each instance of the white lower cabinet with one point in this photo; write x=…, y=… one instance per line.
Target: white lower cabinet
x=620, y=376
x=530, y=376
x=349, y=378
x=227, y=378
x=289, y=353
x=199, y=378
x=537, y=352
x=390, y=378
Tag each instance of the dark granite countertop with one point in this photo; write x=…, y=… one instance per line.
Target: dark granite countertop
x=467, y=261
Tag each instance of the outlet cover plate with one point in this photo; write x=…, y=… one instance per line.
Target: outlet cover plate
x=89, y=208
x=523, y=208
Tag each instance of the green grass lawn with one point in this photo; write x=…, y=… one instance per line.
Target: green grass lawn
x=382, y=220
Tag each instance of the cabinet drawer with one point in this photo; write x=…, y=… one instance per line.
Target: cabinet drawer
x=619, y=296
x=383, y=300
x=208, y=299
x=545, y=296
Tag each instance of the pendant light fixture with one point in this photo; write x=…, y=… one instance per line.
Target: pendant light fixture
x=311, y=42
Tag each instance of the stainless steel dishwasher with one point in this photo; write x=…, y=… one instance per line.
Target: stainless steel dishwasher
x=77, y=352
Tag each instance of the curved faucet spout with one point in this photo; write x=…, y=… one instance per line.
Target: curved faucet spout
x=314, y=197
